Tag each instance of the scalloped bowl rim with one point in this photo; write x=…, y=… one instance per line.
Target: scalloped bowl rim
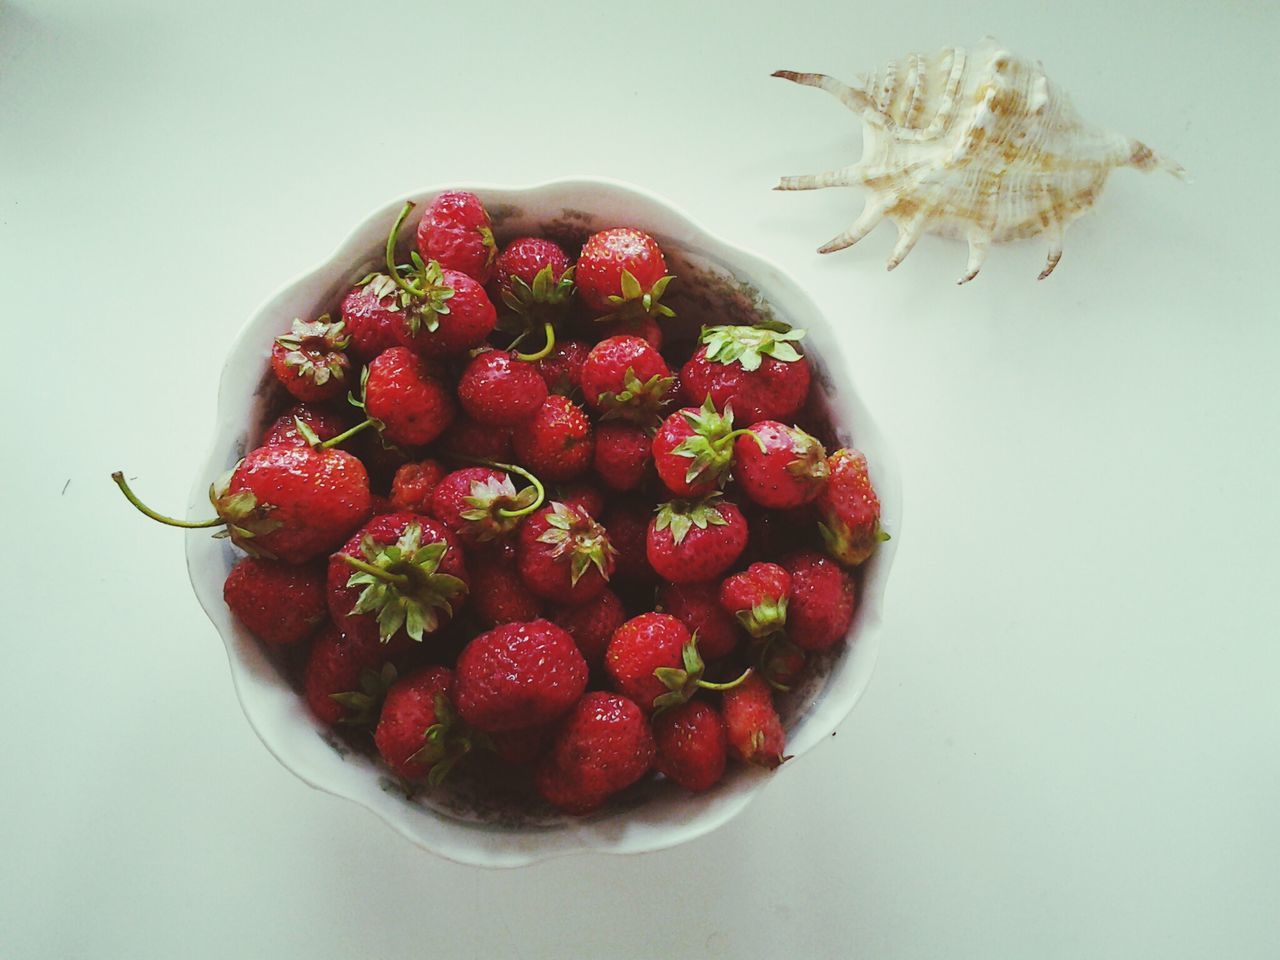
x=268, y=704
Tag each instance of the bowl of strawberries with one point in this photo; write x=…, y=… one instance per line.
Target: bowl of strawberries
x=544, y=521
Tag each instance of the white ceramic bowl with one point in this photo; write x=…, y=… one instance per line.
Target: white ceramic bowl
x=715, y=276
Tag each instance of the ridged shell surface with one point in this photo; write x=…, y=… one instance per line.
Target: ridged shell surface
x=975, y=144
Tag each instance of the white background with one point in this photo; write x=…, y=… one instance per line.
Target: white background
x=1070, y=747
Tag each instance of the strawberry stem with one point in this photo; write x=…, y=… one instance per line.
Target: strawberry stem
x=708, y=685
x=118, y=477
x=345, y=435
x=728, y=438
x=397, y=578
x=518, y=471
x=391, y=254
x=547, y=348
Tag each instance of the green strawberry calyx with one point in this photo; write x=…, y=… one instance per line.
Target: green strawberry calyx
x=634, y=301
x=314, y=349
x=494, y=507
x=681, y=516
x=750, y=345
x=246, y=517
x=547, y=290
x=447, y=741
x=639, y=401
x=710, y=447
x=684, y=681
x=810, y=463
x=416, y=288
x=764, y=618
x=402, y=584
x=576, y=535
x=847, y=546
x=361, y=707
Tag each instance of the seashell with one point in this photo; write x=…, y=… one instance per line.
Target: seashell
x=975, y=144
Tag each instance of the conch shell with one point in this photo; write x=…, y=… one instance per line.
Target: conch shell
x=972, y=144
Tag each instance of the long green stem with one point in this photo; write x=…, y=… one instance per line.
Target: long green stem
x=708, y=685
x=118, y=477
x=396, y=578
x=733, y=435
x=346, y=435
x=391, y=253
x=518, y=471
x=547, y=348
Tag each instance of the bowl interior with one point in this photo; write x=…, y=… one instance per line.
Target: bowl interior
x=717, y=283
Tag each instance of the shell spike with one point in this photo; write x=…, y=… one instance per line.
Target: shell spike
x=867, y=221
x=1055, y=251
x=908, y=233
x=844, y=177
x=855, y=100
x=979, y=244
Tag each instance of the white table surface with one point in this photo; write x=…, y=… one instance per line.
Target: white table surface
x=1070, y=745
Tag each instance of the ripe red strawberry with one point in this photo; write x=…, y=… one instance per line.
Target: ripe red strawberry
x=624, y=377
x=758, y=598
x=823, y=600
x=323, y=424
x=561, y=369
x=754, y=731
x=779, y=662
x=401, y=577
x=309, y=360
x=695, y=540
x=498, y=595
x=519, y=675
x=622, y=455
x=564, y=555
x=780, y=467
x=694, y=449
x=456, y=231
x=557, y=442
x=603, y=746
x=471, y=439
x=581, y=495
x=622, y=271
x=278, y=603
x=412, y=403
x=628, y=524
x=343, y=682
x=653, y=660
x=448, y=314
x=497, y=389
x=592, y=624
x=756, y=370
x=850, y=510
x=692, y=746
x=697, y=606
x=413, y=484
x=534, y=280
x=372, y=317
x=481, y=503
x=419, y=734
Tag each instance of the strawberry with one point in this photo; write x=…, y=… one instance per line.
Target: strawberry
x=653, y=660
x=780, y=467
x=557, y=442
x=603, y=746
x=691, y=745
x=628, y=525
x=622, y=454
x=779, y=662
x=592, y=624
x=498, y=595
x=622, y=271
x=498, y=389
x=692, y=540
x=343, y=682
x=694, y=449
x=323, y=424
x=309, y=360
x=581, y=495
x=624, y=377
x=758, y=597
x=564, y=555
x=419, y=733
x=751, y=723
x=470, y=439
x=697, y=606
x=756, y=370
x=481, y=503
x=401, y=577
x=561, y=369
x=518, y=675
x=535, y=282
x=283, y=503
x=823, y=600
x=413, y=484
x=850, y=510
x=279, y=604
x=455, y=230
x=405, y=398
x=372, y=317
